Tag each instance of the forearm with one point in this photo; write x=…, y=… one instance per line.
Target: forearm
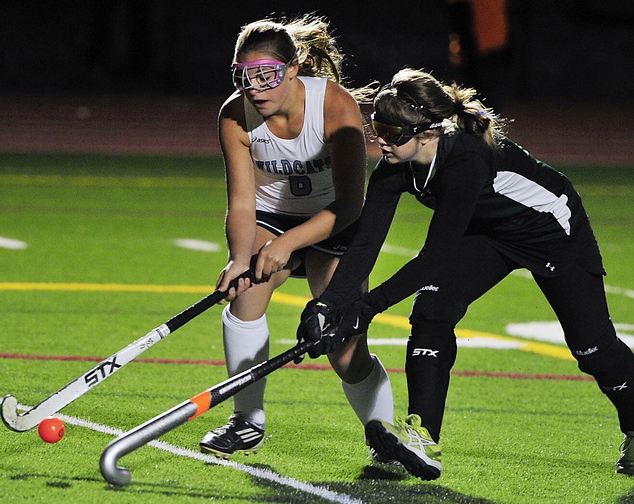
x=240, y=229
x=361, y=255
x=324, y=224
x=450, y=220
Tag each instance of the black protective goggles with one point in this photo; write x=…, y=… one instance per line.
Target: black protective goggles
x=396, y=134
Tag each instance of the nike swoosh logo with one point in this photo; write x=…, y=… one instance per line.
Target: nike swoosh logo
x=356, y=324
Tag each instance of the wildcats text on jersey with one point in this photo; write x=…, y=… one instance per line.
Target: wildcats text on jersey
x=297, y=167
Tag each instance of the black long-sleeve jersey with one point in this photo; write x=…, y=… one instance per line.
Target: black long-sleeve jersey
x=526, y=209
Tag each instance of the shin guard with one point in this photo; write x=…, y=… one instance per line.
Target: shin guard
x=431, y=353
x=611, y=363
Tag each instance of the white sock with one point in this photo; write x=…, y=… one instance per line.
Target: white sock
x=246, y=344
x=371, y=398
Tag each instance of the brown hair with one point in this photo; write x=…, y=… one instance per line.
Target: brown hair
x=308, y=38
x=415, y=97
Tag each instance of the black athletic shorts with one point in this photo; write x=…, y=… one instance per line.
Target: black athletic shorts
x=334, y=245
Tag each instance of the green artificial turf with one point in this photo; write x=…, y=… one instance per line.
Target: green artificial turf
x=101, y=269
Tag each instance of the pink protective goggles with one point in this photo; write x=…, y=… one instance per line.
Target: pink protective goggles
x=260, y=74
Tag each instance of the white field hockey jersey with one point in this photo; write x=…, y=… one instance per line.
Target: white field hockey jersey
x=293, y=177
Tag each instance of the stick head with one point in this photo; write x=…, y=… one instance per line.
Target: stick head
x=115, y=475
x=9, y=413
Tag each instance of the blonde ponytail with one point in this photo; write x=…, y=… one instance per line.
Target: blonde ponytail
x=472, y=116
x=317, y=50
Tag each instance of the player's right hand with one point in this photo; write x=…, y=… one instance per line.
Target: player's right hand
x=319, y=323
x=231, y=281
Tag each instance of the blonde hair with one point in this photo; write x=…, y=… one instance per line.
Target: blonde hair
x=306, y=38
x=415, y=97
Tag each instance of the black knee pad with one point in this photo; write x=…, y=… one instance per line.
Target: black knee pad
x=431, y=305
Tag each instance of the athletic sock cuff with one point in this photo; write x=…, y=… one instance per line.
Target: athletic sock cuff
x=371, y=381
x=230, y=320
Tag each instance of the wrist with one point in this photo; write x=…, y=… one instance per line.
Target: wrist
x=370, y=299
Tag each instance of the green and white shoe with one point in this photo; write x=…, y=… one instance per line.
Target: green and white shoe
x=408, y=443
x=625, y=464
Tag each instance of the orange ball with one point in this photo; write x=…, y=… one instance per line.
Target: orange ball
x=51, y=429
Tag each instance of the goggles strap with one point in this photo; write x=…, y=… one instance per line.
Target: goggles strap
x=421, y=108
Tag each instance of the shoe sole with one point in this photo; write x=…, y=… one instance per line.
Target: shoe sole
x=389, y=446
x=227, y=456
x=629, y=471
x=379, y=459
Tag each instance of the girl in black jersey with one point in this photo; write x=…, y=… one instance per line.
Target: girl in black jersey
x=496, y=209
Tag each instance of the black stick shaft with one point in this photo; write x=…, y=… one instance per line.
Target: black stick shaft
x=196, y=309
x=187, y=410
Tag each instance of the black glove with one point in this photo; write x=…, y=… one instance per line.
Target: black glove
x=318, y=322
x=356, y=318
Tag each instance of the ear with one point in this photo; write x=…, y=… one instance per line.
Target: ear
x=293, y=69
x=425, y=137
x=429, y=135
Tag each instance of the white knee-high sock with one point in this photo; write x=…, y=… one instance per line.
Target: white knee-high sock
x=246, y=344
x=371, y=398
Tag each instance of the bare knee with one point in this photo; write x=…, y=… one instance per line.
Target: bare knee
x=351, y=360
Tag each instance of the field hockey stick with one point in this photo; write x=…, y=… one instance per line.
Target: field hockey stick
x=107, y=367
x=187, y=410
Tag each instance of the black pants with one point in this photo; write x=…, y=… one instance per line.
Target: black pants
x=576, y=296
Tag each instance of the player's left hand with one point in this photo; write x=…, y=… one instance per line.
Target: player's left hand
x=272, y=257
x=356, y=318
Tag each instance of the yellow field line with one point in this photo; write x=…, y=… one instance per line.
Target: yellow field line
x=278, y=297
x=114, y=287
x=106, y=181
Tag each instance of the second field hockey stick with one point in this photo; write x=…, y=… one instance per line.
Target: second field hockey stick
x=107, y=367
x=187, y=410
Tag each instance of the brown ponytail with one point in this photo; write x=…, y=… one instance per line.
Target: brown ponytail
x=457, y=106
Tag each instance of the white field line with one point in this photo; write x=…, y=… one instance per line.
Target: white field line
x=257, y=472
x=200, y=245
x=609, y=289
x=405, y=252
x=10, y=243
x=471, y=342
x=206, y=246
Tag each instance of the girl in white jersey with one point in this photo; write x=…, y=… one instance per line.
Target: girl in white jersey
x=294, y=150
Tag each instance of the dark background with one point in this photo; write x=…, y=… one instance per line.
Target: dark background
x=558, y=50
x=149, y=76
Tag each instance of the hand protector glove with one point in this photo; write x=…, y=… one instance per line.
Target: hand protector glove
x=356, y=318
x=318, y=322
